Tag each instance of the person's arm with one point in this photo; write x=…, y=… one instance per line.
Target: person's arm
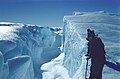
x=89, y=51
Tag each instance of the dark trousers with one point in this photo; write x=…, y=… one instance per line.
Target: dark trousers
x=96, y=70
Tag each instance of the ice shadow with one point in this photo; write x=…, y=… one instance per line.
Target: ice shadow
x=115, y=66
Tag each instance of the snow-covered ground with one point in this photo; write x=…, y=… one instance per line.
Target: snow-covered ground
x=55, y=69
x=35, y=52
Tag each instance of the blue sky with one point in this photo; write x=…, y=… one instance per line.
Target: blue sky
x=51, y=12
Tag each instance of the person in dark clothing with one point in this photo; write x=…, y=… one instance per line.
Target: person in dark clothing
x=97, y=54
x=90, y=34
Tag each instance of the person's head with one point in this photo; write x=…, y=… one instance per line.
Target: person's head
x=92, y=34
x=88, y=30
x=88, y=33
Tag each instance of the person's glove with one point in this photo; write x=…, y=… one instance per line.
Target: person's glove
x=87, y=39
x=87, y=58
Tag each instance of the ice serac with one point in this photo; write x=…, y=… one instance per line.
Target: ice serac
x=4, y=70
x=75, y=45
x=20, y=67
x=40, y=43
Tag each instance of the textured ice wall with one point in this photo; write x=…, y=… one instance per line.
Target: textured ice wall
x=105, y=25
x=41, y=44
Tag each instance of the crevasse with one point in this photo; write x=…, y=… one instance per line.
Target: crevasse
x=24, y=48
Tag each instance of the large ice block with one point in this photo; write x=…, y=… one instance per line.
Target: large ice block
x=106, y=25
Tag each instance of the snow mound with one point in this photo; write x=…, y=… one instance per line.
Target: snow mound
x=54, y=69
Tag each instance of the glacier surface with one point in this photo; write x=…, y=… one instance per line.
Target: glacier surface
x=72, y=62
x=35, y=52
x=24, y=48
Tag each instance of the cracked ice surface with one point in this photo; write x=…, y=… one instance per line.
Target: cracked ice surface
x=24, y=48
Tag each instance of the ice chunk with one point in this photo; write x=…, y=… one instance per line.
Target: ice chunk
x=4, y=70
x=40, y=43
x=75, y=44
x=21, y=67
x=1, y=61
x=6, y=45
